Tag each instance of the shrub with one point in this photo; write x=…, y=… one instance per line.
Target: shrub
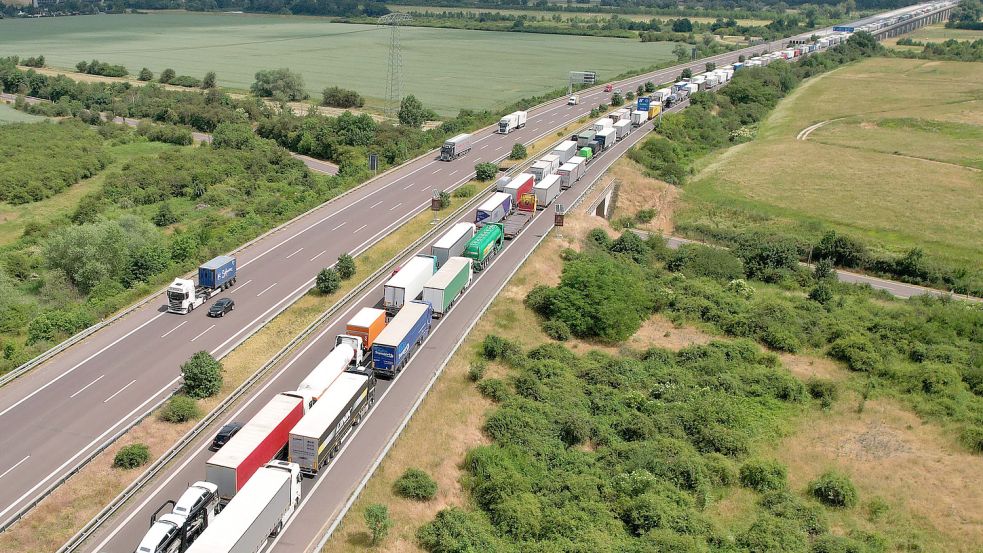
x=464, y=191
x=834, y=489
x=704, y=261
x=165, y=215
x=493, y=389
x=972, y=437
x=345, y=266
x=379, y=522
x=822, y=293
x=645, y=215
x=763, y=475
x=210, y=80
x=166, y=76
x=485, y=171
x=279, y=83
x=180, y=409
x=328, y=281
x=146, y=75
x=557, y=330
x=857, y=351
x=518, y=152
x=186, y=81
x=825, y=391
x=415, y=484
x=341, y=98
x=202, y=375
x=132, y=456
x=476, y=371
x=444, y=199
x=457, y=530
x=774, y=535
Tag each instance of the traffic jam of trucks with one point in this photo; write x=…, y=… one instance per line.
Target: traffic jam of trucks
x=253, y=482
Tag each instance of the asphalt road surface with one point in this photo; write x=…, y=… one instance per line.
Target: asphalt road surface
x=57, y=415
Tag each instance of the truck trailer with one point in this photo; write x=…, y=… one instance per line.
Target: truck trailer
x=521, y=184
x=493, y=210
x=546, y=191
x=456, y=147
x=524, y=213
x=584, y=138
x=622, y=128
x=638, y=118
x=571, y=171
x=258, y=513
x=341, y=358
x=318, y=436
x=603, y=123
x=512, y=121
x=447, y=284
x=545, y=166
x=213, y=277
x=366, y=325
x=607, y=138
x=258, y=442
x=397, y=343
x=565, y=150
x=407, y=284
x=452, y=243
x=485, y=244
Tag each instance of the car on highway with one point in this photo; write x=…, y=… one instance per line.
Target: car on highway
x=608, y=87
x=225, y=434
x=221, y=307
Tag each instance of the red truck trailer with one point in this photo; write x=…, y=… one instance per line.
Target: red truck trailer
x=255, y=445
x=520, y=185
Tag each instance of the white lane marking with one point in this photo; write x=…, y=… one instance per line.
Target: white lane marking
x=426, y=187
x=164, y=335
x=202, y=333
x=454, y=172
x=319, y=255
x=17, y=464
x=295, y=253
x=359, y=228
x=339, y=226
x=395, y=206
x=266, y=289
x=118, y=392
x=437, y=171
x=84, y=361
x=84, y=388
x=300, y=288
x=408, y=186
x=98, y=439
x=375, y=205
x=483, y=146
x=237, y=288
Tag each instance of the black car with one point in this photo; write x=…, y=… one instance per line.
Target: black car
x=221, y=307
x=225, y=434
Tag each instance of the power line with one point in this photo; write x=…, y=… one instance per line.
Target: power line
x=395, y=68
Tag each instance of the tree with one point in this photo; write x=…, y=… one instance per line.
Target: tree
x=379, y=522
x=629, y=96
x=146, y=75
x=686, y=74
x=824, y=269
x=165, y=215
x=683, y=25
x=236, y=136
x=209, y=80
x=649, y=86
x=282, y=84
x=710, y=66
x=966, y=14
x=412, y=113
x=167, y=75
x=485, y=171
x=328, y=281
x=518, y=152
x=202, y=375
x=617, y=99
x=345, y=266
x=341, y=98
x=681, y=52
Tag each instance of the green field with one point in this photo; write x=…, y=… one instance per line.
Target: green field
x=567, y=15
x=448, y=69
x=899, y=164
x=10, y=115
x=934, y=33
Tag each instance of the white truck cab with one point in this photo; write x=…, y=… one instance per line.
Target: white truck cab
x=164, y=536
x=182, y=296
x=573, y=100
x=356, y=343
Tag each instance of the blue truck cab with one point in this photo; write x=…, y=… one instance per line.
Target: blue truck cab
x=394, y=346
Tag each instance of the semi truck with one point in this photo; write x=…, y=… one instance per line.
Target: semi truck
x=587, y=153
x=547, y=165
x=521, y=184
x=602, y=123
x=501, y=182
x=660, y=96
x=366, y=325
x=607, y=138
x=258, y=442
x=512, y=121
x=407, y=284
x=485, y=245
x=452, y=243
x=455, y=147
x=447, y=284
x=346, y=353
x=524, y=213
x=584, y=138
x=257, y=513
x=622, y=128
x=571, y=171
x=397, y=343
x=565, y=150
x=318, y=436
x=638, y=118
x=193, y=512
x=546, y=191
x=493, y=210
x=213, y=277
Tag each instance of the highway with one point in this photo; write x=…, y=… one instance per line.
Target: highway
x=56, y=416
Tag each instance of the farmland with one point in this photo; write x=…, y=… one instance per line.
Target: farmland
x=568, y=15
x=934, y=33
x=10, y=115
x=898, y=169
x=447, y=69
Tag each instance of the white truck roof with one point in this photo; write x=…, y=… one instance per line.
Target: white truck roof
x=327, y=409
x=365, y=317
x=228, y=528
x=255, y=431
x=520, y=179
x=606, y=132
x=549, y=180
x=495, y=199
x=415, y=265
x=401, y=323
x=443, y=277
x=453, y=235
x=622, y=123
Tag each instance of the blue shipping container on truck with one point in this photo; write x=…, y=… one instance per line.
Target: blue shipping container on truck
x=217, y=272
x=395, y=344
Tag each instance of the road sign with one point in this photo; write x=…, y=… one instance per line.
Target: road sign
x=558, y=216
x=435, y=201
x=583, y=77
x=644, y=103
x=373, y=162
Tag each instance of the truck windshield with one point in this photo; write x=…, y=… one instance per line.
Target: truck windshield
x=177, y=296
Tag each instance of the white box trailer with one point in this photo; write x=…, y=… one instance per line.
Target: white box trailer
x=619, y=114
x=565, y=150
x=452, y=243
x=546, y=191
x=572, y=171
x=607, y=138
x=547, y=165
x=662, y=95
x=601, y=124
x=407, y=285
x=622, y=128
x=258, y=512
x=512, y=121
x=319, y=435
x=639, y=117
x=326, y=372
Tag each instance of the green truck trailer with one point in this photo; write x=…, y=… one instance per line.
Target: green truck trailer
x=443, y=289
x=485, y=245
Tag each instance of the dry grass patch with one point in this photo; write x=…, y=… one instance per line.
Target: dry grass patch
x=637, y=192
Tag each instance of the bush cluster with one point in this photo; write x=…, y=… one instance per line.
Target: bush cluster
x=180, y=409
x=96, y=67
x=132, y=456
x=336, y=97
x=415, y=484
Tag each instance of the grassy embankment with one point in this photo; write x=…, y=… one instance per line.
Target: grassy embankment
x=899, y=169
x=10, y=115
x=932, y=33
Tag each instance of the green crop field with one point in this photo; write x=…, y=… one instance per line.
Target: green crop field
x=10, y=115
x=447, y=69
x=934, y=33
x=898, y=163
x=565, y=15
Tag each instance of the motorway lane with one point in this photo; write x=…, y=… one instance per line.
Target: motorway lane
x=99, y=387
